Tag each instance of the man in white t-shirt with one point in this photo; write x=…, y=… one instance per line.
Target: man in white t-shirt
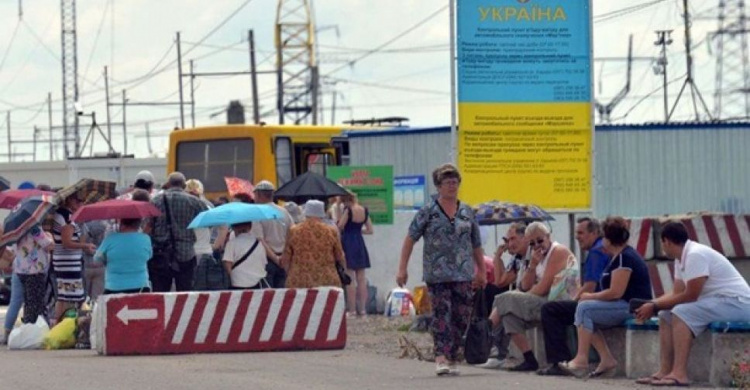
x=244, y=258
x=272, y=233
x=707, y=288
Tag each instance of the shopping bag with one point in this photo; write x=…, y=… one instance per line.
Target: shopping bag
x=422, y=300
x=478, y=336
x=62, y=335
x=399, y=303
x=29, y=336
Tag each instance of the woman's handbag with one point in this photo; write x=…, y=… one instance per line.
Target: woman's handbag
x=478, y=336
x=210, y=275
x=345, y=279
x=566, y=283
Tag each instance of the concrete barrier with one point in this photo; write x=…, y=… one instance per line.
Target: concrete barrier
x=642, y=352
x=729, y=341
x=221, y=321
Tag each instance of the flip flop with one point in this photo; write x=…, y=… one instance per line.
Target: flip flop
x=669, y=382
x=647, y=380
x=606, y=373
x=578, y=372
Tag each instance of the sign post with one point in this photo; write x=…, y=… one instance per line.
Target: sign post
x=524, y=93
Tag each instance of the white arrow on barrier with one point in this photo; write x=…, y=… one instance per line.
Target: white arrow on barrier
x=125, y=314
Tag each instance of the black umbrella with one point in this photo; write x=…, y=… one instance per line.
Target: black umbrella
x=4, y=184
x=310, y=185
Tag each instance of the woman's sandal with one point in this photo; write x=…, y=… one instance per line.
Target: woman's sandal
x=647, y=380
x=578, y=372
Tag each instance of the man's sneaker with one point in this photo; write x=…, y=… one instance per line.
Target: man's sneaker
x=453, y=369
x=442, y=369
x=492, y=364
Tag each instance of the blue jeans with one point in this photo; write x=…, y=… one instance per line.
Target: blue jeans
x=16, y=301
x=594, y=315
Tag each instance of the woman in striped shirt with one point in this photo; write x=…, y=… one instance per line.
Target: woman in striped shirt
x=67, y=257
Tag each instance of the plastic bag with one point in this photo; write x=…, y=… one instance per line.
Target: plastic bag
x=29, y=336
x=399, y=303
x=62, y=336
x=422, y=300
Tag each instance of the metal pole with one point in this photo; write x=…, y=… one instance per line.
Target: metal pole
x=192, y=95
x=454, y=130
x=253, y=77
x=148, y=140
x=106, y=94
x=333, y=107
x=125, y=124
x=49, y=114
x=179, y=78
x=36, y=132
x=7, y=119
x=314, y=93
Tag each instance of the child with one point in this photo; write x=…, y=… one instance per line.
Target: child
x=244, y=258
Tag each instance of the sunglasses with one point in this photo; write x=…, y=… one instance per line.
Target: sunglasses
x=538, y=241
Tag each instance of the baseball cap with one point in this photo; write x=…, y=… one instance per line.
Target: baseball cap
x=145, y=176
x=264, y=185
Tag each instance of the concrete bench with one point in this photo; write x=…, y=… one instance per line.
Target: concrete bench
x=710, y=356
x=727, y=339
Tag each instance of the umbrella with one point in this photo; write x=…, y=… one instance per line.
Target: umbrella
x=235, y=186
x=10, y=198
x=116, y=209
x=4, y=184
x=27, y=214
x=498, y=213
x=88, y=191
x=235, y=213
x=310, y=185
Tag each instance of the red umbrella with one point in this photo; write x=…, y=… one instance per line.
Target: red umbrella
x=116, y=209
x=10, y=198
x=235, y=186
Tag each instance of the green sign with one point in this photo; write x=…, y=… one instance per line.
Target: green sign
x=373, y=186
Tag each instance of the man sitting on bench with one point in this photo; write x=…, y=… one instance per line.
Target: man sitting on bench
x=707, y=288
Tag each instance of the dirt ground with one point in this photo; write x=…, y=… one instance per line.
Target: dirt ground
x=389, y=337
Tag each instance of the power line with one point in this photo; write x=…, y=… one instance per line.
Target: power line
x=96, y=39
x=10, y=45
x=390, y=41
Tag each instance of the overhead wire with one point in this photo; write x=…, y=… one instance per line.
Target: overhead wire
x=96, y=39
x=10, y=45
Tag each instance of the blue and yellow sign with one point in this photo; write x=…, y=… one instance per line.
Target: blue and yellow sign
x=524, y=93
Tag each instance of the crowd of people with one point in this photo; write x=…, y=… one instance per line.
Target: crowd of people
x=61, y=264
x=544, y=285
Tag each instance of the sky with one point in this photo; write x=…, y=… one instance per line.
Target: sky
x=379, y=58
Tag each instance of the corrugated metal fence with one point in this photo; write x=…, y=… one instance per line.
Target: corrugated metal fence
x=640, y=170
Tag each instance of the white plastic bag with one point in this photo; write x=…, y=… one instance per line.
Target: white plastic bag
x=399, y=303
x=94, y=326
x=29, y=336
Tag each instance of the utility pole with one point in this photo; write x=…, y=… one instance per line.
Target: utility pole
x=192, y=95
x=7, y=121
x=148, y=140
x=663, y=39
x=125, y=123
x=36, y=133
x=179, y=70
x=49, y=120
x=106, y=94
x=70, y=77
x=253, y=77
x=689, y=80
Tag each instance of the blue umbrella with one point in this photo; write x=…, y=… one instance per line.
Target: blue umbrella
x=235, y=213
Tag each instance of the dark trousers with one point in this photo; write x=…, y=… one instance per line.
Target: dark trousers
x=142, y=290
x=557, y=316
x=500, y=339
x=161, y=278
x=33, y=293
x=275, y=275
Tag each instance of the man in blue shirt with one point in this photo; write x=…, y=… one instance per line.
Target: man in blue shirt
x=558, y=315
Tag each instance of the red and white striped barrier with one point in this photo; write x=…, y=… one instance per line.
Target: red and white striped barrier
x=728, y=234
x=221, y=321
x=662, y=277
x=642, y=236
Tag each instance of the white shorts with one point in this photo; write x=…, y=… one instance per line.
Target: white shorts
x=699, y=314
